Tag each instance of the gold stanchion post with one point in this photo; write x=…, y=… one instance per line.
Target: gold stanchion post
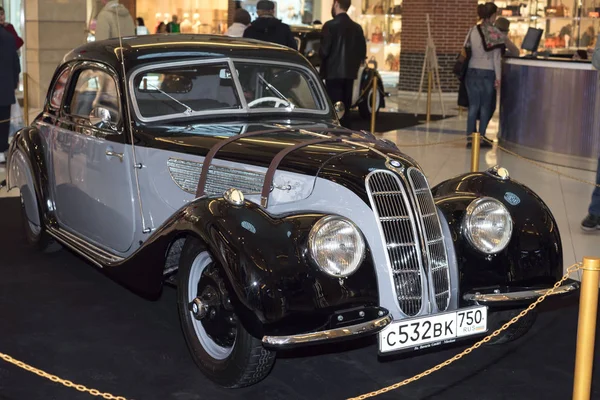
x=374, y=103
x=429, y=89
x=25, y=100
x=475, y=152
x=586, y=328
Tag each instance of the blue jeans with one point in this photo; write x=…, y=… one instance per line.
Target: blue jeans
x=595, y=204
x=480, y=90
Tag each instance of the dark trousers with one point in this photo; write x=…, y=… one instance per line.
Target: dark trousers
x=594, y=208
x=4, y=127
x=481, y=92
x=341, y=90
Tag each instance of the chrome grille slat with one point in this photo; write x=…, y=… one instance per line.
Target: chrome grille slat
x=437, y=265
x=399, y=232
x=186, y=175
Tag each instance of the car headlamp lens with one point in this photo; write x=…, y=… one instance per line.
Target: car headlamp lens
x=488, y=225
x=336, y=246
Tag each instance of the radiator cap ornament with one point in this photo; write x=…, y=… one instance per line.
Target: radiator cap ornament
x=234, y=196
x=499, y=172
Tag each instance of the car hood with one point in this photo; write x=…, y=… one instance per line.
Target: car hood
x=260, y=150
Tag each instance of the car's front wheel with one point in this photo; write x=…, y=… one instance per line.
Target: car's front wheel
x=498, y=318
x=223, y=350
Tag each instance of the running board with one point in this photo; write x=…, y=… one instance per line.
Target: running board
x=87, y=250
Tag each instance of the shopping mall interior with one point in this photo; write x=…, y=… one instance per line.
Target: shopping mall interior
x=250, y=254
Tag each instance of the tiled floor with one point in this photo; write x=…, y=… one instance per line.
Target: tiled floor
x=567, y=198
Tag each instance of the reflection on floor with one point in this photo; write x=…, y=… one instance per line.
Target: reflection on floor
x=568, y=199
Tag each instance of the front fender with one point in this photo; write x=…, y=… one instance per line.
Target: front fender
x=533, y=257
x=276, y=290
x=365, y=79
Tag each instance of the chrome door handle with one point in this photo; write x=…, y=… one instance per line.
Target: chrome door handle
x=110, y=153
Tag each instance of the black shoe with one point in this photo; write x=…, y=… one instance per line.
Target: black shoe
x=590, y=223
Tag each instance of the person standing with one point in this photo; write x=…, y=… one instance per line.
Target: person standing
x=484, y=71
x=10, y=28
x=591, y=223
x=140, y=27
x=10, y=69
x=268, y=28
x=343, y=50
x=114, y=18
x=173, y=26
x=241, y=20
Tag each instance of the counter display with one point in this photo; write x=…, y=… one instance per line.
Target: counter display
x=550, y=111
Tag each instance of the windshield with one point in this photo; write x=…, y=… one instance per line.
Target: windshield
x=209, y=88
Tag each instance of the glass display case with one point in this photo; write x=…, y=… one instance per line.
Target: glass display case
x=381, y=21
x=568, y=25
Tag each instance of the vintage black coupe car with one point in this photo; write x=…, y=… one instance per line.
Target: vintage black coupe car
x=308, y=40
x=219, y=165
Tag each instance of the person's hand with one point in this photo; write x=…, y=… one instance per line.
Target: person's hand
x=497, y=83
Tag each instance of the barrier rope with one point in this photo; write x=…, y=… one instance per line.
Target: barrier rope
x=573, y=268
x=56, y=379
x=540, y=165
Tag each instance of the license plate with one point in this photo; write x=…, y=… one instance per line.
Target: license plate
x=423, y=332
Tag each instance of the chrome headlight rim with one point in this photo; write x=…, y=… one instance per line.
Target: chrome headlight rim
x=312, y=251
x=467, y=224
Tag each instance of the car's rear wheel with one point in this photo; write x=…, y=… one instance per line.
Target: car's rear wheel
x=515, y=331
x=365, y=105
x=223, y=350
x=36, y=235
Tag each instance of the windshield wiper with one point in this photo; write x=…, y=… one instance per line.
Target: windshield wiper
x=277, y=92
x=188, y=109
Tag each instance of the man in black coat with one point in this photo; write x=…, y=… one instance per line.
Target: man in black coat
x=9, y=81
x=268, y=28
x=343, y=50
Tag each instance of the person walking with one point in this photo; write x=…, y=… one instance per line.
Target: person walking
x=343, y=49
x=484, y=71
x=10, y=69
x=268, y=28
x=241, y=20
x=114, y=18
x=591, y=223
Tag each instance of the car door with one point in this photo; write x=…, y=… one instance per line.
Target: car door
x=92, y=164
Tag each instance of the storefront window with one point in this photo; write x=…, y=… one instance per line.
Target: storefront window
x=291, y=12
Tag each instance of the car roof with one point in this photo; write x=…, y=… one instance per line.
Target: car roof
x=146, y=49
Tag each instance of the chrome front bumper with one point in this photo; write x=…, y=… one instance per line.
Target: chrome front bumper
x=347, y=332
x=498, y=297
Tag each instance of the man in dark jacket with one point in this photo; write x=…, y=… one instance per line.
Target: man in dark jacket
x=343, y=50
x=9, y=71
x=268, y=28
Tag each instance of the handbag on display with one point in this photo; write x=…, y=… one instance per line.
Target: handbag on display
x=377, y=36
x=462, y=60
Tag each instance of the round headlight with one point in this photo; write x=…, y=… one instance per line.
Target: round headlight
x=336, y=246
x=488, y=225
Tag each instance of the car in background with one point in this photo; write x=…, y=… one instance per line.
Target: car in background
x=309, y=41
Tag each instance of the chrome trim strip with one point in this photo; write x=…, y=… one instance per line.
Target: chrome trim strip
x=372, y=326
x=402, y=256
x=436, y=260
x=483, y=299
x=84, y=248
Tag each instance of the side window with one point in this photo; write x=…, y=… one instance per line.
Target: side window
x=58, y=91
x=94, y=88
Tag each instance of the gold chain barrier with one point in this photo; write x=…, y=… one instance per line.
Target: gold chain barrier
x=586, y=364
x=56, y=379
x=538, y=164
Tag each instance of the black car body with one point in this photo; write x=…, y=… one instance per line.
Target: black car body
x=219, y=165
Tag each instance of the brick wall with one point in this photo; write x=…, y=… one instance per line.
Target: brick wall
x=450, y=22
